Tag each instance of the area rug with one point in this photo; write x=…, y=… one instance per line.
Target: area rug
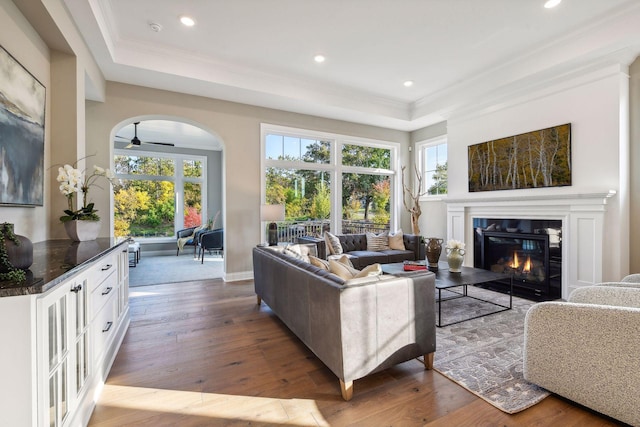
x=157, y=270
x=484, y=355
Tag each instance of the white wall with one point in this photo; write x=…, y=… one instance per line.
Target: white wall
x=594, y=105
x=19, y=38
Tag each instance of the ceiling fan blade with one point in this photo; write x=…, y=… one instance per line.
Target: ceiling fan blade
x=135, y=141
x=167, y=144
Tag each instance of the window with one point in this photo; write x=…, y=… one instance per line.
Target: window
x=432, y=162
x=157, y=193
x=328, y=181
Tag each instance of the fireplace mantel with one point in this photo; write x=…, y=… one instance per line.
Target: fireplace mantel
x=573, y=198
x=582, y=215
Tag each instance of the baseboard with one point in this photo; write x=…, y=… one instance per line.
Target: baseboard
x=236, y=277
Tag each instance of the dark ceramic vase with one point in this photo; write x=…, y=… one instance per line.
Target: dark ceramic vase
x=20, y=256
x=434, y=249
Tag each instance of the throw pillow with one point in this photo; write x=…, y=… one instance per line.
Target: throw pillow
x=345, y=272
x=333, y=244
x=342, y=270
x=378, y=242
x=370, y=270
x=298, y=251
x=319, y=262
x=396, y=241
x=346, y=260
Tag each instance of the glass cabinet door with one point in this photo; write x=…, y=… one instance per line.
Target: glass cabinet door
x=81, y=337
x=57, y=306
x=64, y=367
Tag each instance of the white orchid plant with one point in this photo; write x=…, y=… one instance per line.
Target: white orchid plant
x=73, y=181
x=455, y=244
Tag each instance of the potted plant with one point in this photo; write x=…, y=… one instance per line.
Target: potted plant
x=9, y=244
x=84, y=223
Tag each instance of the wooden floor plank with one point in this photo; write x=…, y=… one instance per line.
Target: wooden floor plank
x=204, y=353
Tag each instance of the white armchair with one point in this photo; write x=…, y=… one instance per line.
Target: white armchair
x=587, y=349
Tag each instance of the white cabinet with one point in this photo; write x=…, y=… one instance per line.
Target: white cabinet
x=62, y=344
x=63, y=366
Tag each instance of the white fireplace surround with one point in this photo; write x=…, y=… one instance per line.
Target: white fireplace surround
x=582, y=216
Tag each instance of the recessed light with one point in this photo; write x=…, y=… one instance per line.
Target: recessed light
x=408, y=83
x=551, y=3
x=319, y=58
x=187, y=21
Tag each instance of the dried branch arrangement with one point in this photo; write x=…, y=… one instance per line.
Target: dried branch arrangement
x=414, y=209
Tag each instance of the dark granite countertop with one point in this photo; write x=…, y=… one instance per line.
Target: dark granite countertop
x=56, y=260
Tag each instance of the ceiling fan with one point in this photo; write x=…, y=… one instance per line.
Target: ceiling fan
x=135, y=141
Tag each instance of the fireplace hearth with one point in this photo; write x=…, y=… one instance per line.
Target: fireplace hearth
x=530, y=250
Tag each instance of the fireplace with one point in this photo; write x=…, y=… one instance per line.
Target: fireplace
x=530, y=250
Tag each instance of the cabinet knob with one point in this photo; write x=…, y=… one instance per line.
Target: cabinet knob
x=106, y=267
x=76, y=288
x=107, y=290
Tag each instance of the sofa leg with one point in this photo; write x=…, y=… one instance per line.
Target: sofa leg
x=259, y=299
x=428, y=360
x=346, y=389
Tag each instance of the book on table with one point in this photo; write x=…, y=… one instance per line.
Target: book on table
x=414, y=265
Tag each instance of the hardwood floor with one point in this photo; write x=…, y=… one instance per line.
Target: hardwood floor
x=203, y=353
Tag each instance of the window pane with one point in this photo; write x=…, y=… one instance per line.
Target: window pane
x=316, y=151
x=442, y=154
x=192, y=204
x=368, y=157
x=297, y=149
x=273, y=147
x=304, y=193
x=365, y=203
x=437, y=180
x=142, y=165
x=291, y=148
x=431, y=158
x=144, y=208
x=435, y=170
x=192, y=168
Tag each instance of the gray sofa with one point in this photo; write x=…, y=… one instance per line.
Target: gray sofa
x=587, y=349
x=355, y=247
x=354, y=327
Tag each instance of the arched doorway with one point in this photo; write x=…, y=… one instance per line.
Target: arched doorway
x=170, y=174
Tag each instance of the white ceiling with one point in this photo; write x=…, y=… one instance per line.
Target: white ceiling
x=261, y=52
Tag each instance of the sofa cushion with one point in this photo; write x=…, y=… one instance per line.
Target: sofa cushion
x=398, y=256
x=353, y=242
x=320, y=263
x=377, y=242
x=361, y=259
x=396, y=241
x=333, y=244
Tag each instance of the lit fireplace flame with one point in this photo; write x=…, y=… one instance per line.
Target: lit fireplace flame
x=515, y=263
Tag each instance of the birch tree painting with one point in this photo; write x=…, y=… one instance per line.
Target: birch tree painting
x=535, y=159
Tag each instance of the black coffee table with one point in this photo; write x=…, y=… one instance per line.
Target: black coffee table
x=445, y=280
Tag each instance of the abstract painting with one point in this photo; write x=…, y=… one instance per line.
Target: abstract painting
x=22, y=112
x=541, y=158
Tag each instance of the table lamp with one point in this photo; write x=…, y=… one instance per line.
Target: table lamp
x=272, y=213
